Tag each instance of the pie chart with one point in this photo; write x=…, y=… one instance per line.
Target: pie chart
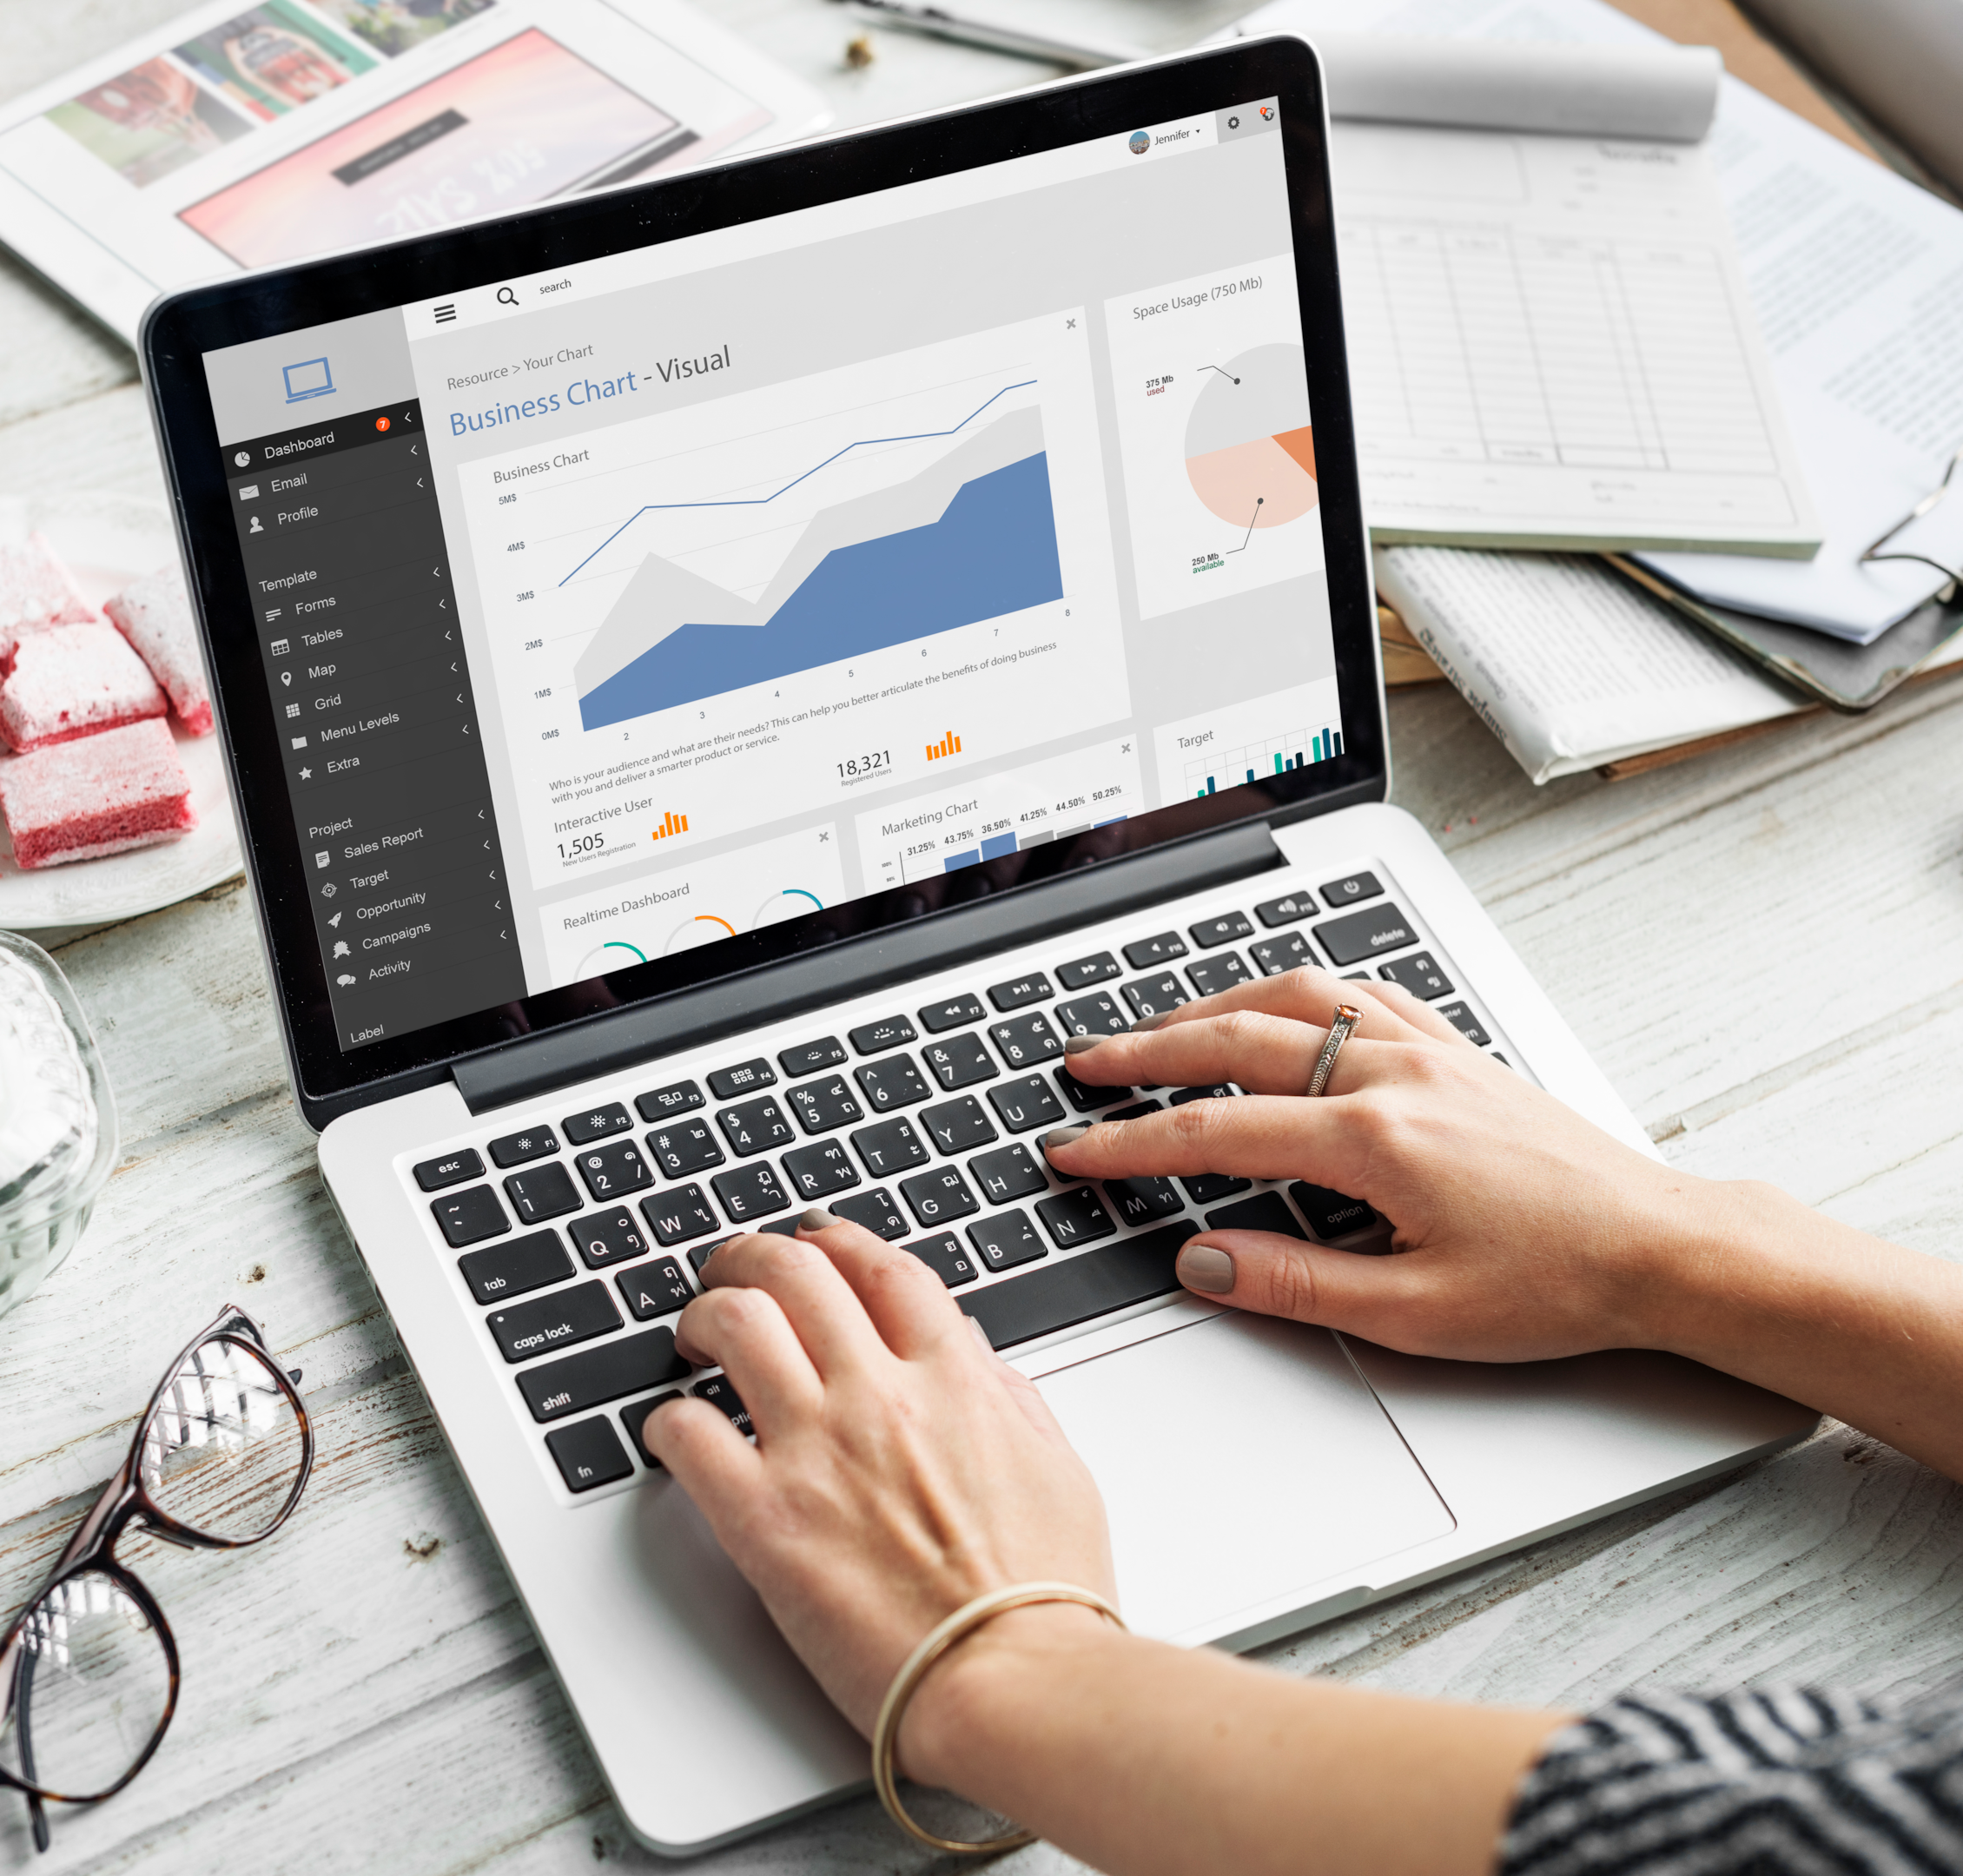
x=1250, y=454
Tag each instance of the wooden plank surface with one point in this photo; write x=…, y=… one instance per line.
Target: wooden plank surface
x=1761, y=948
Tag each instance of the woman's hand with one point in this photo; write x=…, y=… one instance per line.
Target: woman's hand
x=901, y=1468
x=1527, y=1231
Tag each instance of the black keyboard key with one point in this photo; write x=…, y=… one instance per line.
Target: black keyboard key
x=958, y=1125
x=557, y=1321
x=820, y=1169
x=1331, y=1214
x=1274, y=955
x=1008, y=1172
x=720, y=1391
x=1143, y=1200
x=1033, y=988
x=1211, y=975
x=745, y=1078
x=754, y=1126
x=1027, y=1040
x=1213, y=1091
x=1137, y=1111
x=509, y=1270
x=952, y=1013
x=1025, y=1104
x=1263, y=1211
x=1154, y=996
x=1083, y=1097
x=546, y=1191
x=1460, y=1016
x=656, y=1289
x=1203, y=1188
x=750, y=1191
x=828, y=1051
x=893, y=1083
x=891, y=1146
x=677, y=1216
x=961, y=1061
x=944, y=1256
x=1143, y=953
x=686, y=1148
x=1087, y=970
x=1351, y=889
x=1419, y=975
x=938, y=1196
x=452, y=1169
x=876, y=1038
x=1081, y=1289
x=664, y=1103
x=1362, y=935
x=613, y=1172
x=1092, y=1015
x=875, y=1211
x=822, y=1106
x=1006, y=1239
x=589, y=1453
x=596, y=1123
x=1074, y=1218
x=575, y=1383
x=635, y=1418
x=1286, y=910
x=608, y=1238
x=521, y=1149
x=1220, y=931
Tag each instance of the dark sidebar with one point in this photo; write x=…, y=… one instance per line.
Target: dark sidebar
x=368, y=682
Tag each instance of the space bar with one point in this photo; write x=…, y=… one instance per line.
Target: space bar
x=1092, y=1284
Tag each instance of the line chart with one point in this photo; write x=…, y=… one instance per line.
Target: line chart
x=759, y=501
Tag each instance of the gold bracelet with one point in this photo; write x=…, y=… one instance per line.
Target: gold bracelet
x=936, y=1642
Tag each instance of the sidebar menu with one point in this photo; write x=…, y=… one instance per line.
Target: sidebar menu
x=369, y=688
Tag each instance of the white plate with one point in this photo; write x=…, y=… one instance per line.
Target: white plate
x=108, y=540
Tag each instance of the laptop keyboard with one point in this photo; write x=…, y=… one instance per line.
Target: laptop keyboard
x=578, y=1237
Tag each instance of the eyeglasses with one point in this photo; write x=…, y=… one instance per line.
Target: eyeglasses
x=1951, y=575
x=88, y=1668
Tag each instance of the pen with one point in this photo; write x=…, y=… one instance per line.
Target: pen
x=968, y=31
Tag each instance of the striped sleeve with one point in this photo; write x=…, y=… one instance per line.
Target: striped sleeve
x=1764, y=1782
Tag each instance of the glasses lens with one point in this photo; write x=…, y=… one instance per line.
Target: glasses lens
x=90, y=1684
x=221, y=1453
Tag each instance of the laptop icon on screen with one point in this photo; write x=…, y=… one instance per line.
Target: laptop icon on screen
x=310, y=377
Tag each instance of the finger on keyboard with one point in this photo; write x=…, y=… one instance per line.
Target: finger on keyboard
x=747, y=1335
x=1308, y=994
x=907, y=1302
x=1266, y=1054
x=808, y=1290
x=1260, y=1136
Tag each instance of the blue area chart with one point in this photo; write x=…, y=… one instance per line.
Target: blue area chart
x=993, y=552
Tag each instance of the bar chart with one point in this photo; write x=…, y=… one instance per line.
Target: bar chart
x=1251, y=762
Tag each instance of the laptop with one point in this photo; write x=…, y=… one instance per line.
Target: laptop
x=727, y=675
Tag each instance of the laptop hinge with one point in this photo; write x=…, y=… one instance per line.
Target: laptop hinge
x=524, y=1070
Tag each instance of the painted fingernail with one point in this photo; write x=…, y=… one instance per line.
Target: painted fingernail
x=1064, y=1136
x=816, y=1218
x=1077, y=1044
x=1203, y=1267
x=1151, y=1022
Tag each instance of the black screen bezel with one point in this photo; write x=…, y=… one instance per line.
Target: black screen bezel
x=180, y=328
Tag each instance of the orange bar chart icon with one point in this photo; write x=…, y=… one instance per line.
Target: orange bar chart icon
x=671, y=823
x=948, y=745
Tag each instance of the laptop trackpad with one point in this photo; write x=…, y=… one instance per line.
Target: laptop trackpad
x=1242, y=1460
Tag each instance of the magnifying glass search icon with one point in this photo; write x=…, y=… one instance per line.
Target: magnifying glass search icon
x=506, y=297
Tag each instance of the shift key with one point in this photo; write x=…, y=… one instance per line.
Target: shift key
x=577, y=1381
x=1361, y=935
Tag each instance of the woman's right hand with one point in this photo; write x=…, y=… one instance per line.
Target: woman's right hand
x=1525, y=1232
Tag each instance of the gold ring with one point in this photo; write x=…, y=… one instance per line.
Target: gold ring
x=1342, y=1026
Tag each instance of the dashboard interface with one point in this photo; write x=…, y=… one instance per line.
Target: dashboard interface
x=623, y=609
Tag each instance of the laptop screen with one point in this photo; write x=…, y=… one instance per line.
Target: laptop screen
x=611, y=613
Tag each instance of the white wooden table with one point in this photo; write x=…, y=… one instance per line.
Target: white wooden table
x=1764, y=950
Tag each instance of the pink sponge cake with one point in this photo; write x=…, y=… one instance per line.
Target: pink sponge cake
x=97, y=795
x=35, y=590
x=154, y=616
x=72, y=681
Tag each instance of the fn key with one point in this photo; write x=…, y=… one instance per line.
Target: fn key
x=589, y=1453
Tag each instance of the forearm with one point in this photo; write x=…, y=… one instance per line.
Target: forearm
x=1142, y=1758
x=1866, y=1331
